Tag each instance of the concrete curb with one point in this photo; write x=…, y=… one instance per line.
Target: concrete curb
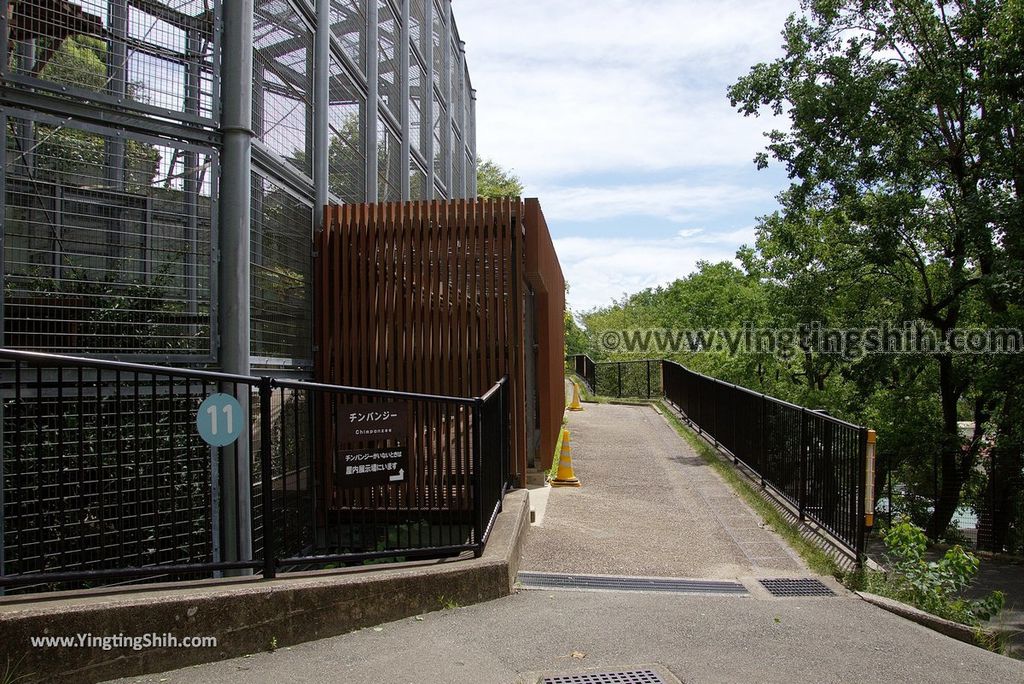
x=248, y=615
x=954, y=630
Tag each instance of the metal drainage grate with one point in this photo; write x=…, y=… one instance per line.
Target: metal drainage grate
x=796, y=587
x=625, y=677
x=544, y=580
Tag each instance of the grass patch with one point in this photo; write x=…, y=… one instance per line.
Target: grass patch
x=553, y=470
x=817, y=559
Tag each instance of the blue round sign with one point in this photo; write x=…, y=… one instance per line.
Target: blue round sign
x=219, y=419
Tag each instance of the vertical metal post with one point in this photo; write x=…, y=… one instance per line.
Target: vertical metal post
x=372, y=97
x=802, y=492
x=234, y=266
x=403, y=89
x=461, y=117
x=193, y=87
x=647, y=367
x=478, y=480
x=446, y=93
x=429, y=111
x=618, y=368
x=472, y=140
x=859, y=506
x=267, y=482
x=321, y=112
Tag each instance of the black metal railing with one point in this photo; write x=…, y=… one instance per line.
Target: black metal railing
x=584, y=367
x=104, y=477
x=812, y=461
x=628, y=379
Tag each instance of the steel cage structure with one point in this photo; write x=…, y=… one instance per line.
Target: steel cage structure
x=142, y=137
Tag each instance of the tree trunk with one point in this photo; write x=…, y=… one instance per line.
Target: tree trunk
x=951, y=473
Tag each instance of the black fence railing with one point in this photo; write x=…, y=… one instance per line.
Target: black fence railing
x=584, y=367
x=104, y=477
x=816, y=463
x=620, y=379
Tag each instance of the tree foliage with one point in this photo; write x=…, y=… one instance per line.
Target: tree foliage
x=904, y=150
x=494, y=181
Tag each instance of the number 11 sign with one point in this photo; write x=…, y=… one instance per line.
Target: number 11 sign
x=219, y=419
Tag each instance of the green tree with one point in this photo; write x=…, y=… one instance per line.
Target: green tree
x=494, y=181
x=905, y=139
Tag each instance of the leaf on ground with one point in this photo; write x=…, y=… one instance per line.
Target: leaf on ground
x=578, y=655
x=378, y=629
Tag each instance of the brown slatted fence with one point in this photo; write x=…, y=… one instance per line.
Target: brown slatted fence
x=424, y=297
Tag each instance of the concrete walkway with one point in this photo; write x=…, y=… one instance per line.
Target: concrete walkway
x=673, y=517
x=649, y=506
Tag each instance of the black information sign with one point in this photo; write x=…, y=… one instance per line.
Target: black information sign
x=363, y=467
x=372, y=422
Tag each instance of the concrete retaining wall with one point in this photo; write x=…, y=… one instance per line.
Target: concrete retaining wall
x=248, y=615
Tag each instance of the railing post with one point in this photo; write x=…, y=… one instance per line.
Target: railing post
x=267, y=481
x=478, y=480
x=647, y=365
x=618, y=367
x=802, y=493
x=861, y=496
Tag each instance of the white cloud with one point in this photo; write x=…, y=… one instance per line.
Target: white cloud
x=679, y=200
x=607, y=85
x=600, y=270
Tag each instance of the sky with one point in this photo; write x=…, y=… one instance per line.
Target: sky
x=615, y=114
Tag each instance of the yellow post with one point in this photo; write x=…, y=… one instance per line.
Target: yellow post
x=869, y=483
x=565, y=477
x=574, y=405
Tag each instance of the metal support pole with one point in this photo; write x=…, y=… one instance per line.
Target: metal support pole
x=478, y=480
x=267, y=482
x=233, y=270
x=429, y=111
x=404, y=96
x=446, y=93
x=460, y=117
x=860, y=505
x=321, y=112
x=372, y=97
x=618, y=368
x=472, y=140
x=802, y=493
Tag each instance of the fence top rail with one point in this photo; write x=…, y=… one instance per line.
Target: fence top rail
x=769, y=398
x=366, y=391
x=44, y=359
x=494, y=388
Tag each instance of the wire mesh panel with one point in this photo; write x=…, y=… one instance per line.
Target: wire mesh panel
x=102, y=470
x=388, y=73
x=107, y=241
x=281, y=275
x=389, y=166
x=282, y=82
x=418, y=105
x=348, y=25
x=147, y=54
x=628, y=378
x=347, y=148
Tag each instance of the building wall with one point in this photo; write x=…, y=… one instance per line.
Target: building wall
x=111, y=167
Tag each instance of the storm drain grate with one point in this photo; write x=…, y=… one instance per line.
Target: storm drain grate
x=624, y=677
x=544, y=580
x=796, y=587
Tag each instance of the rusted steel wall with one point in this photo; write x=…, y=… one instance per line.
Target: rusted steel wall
x=545, y=276
x=424, y=297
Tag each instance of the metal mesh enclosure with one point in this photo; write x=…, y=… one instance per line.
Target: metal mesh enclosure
x=388, y=45
x=389, y=166
x=107, y=241
x=282, y=82
x=156, y=55
x=348, y=26
x=281, y=268
x=347, y=156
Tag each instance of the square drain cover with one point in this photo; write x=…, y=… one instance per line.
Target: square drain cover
x=621, y=677
x=796, y=587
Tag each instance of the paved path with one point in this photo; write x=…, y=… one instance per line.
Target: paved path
x=649, y=506
x=671, y=517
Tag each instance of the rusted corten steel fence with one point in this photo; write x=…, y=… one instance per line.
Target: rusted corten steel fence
x=429, y=297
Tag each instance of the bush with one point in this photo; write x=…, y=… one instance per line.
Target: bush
x=933, y=586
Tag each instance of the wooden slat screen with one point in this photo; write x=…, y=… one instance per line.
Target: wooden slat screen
x=424, y=297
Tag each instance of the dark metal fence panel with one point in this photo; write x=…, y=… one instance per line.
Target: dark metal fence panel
x=102, y=469
x=105, y=478
x=814, y=462
x=627, y=379
x=584, y=367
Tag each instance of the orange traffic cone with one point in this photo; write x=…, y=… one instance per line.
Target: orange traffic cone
x=574, y=405
x=565, y=477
